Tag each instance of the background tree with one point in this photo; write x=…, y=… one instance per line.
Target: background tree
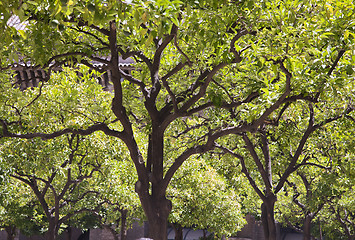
x=59, y=179
x=274, y=153
x=337, y=218
x=244, y=59
x=202, y=199
x=339, y=221
x=121, y=207
x=312, y=188
x=18, y=209
x=58, y=171
x=311, y=192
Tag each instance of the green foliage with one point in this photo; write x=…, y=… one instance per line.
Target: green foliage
x=203, y=70
x=19, y=208
x=203, y=200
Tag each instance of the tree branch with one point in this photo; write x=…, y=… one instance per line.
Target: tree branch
x=298, y=152
x=189, y=62
x=84, y=132
x=258, y=163
x=68, y=54
x=133, y=80
x=245, y=171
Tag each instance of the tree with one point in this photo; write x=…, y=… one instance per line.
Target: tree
x=62, y=174
x=311, y=189
x=17, y=209
x=277, y=150
x=310, y=195
x=121, y=205
x=202, y=199
x=337, y=218
x=341, y=216
x=244, y=59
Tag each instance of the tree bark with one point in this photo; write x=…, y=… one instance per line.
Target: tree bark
x=268, y=219
x=307, y=227
x=178, y=231
x=69, y=233
x=158, y=220
x=123, y=224
x=52, y=232
x=157, y=210
x=11, y=232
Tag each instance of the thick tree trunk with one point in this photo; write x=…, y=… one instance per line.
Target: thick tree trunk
x=152, y=190
x=178, y=231
x=268, y=220
x=51, y=234
x=158, y=220
x=157, y=211
x=307, y=227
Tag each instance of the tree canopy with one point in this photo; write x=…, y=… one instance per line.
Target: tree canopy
x=206, y=73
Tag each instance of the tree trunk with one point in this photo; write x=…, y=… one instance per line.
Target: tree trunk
x=11, y=232
x=151, y=189
x=123, y=224
x=51, y=234
x=268, y=220
x=112, y=230
x=178, y=231
x=204, y=234
x=307, y=227
x=158, y=221
x=157, y=211
x=69, y=233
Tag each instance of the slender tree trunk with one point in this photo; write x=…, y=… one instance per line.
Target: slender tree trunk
x=268, y=220
x=178, y=231
x=204, y=234
x=69, y=233
x=307, y=227
x=320, y=231
x=123, y=224
x=11, y=232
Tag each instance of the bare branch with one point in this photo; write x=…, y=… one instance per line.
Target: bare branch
x=311, y=164
x=245, y=171
x=298, y=152
x=133, y=80
x=38, y=95
x=176, y=69
x=281, y=99
x=335, y=63
x=240, y=33
x=258, y=163
x=189, y=62
x=84, y=132
x=82, y=23
x=68, y=54
x=332, y=68
x=90, y=34
x=138, y=54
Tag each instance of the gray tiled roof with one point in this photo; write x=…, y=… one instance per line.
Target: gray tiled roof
x=29, y=77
